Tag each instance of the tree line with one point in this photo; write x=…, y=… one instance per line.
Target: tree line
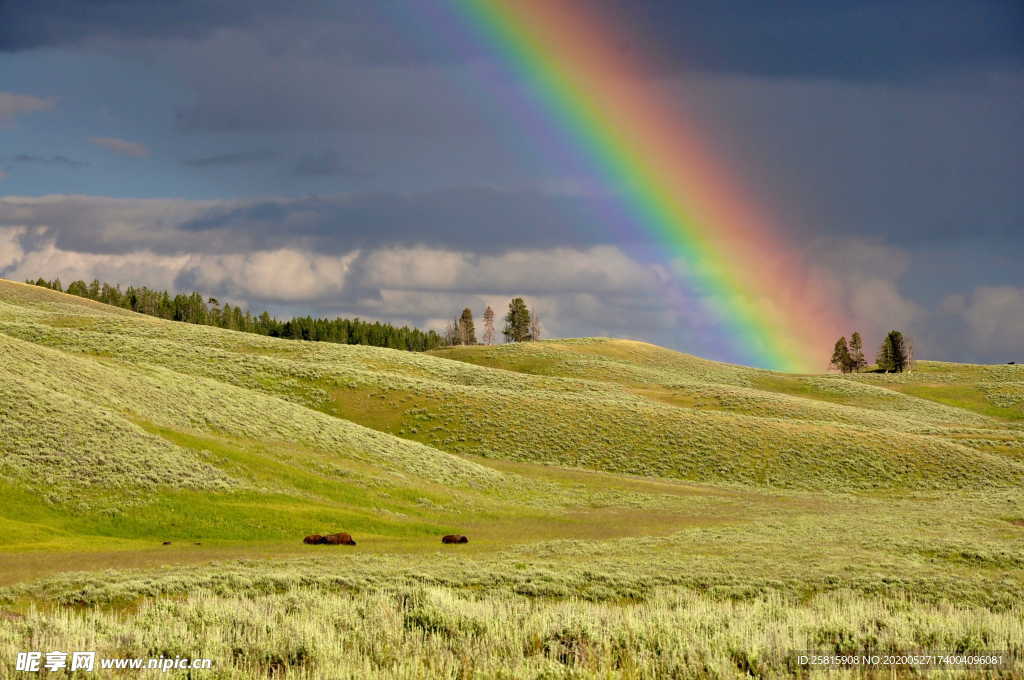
x=895, y=355
x=521, y=325
x=198, y=309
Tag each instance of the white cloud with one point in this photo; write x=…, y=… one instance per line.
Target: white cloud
x=281, y=275
x=10, y=246
x=596, y=269
x=285, y=275
x=291, y=274
x=12, y=105
x=595, y=290
x=47, y=260
x=121, y=146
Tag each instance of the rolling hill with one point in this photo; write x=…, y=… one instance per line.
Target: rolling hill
x=103, y=408
x=595, y=468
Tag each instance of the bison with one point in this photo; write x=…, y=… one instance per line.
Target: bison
x=315, y=539
x=455, y=538
x=338, y=539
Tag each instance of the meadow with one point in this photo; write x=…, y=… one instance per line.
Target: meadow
x=633, y=512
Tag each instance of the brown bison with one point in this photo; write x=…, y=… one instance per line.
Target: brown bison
x=455, y=538
x=338, y=539
x=315, y=539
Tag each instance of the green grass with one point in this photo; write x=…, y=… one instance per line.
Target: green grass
x=1000, y=401
x=611, y=482
x=410, y=632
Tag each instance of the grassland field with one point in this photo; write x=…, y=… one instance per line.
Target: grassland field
x=633, y=512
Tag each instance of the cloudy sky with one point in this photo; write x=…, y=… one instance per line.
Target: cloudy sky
x=378, y=159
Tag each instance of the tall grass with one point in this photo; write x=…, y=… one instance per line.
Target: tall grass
x=435, y=632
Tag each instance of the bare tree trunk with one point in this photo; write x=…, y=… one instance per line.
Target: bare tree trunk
x=451, y=334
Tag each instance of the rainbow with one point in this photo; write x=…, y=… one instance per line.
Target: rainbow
x=768, y=305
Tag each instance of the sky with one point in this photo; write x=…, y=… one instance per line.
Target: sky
x=381, y=160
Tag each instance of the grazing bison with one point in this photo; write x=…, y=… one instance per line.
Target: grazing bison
x=455, y=538
x=338, y=539
x=167, y=542
x=315, y=539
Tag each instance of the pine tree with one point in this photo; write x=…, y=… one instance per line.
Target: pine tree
x=79, y=288
x=884, y=357
x=857, y=361
x=892, y=355
x=841, y=355
x=467, y=333
x=517, y=321
x=899, y=351
x=197, y=309
x=488, y=326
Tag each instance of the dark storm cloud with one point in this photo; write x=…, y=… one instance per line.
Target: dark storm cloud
x=915, y=165
x=474, y=219
x=477, y=219
x=325, y=164
x=848, y=39
x=889, y=122
x=858, y=39
x=369, y=32
x=299, y=91
x=48, y=160
x=237, y=158
x=27, y=24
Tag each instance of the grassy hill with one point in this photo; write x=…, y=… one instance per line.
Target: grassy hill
x=105, y=409
x=594, y=468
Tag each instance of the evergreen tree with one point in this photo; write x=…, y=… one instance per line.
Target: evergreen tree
x=892, y=355
x=900, y=359
x=467, y=332
x=517, y=321
x=488, y=326
x=857, y=361
x=883, y=359
x=196, y=309
x=841, y=356
x=79, y=288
